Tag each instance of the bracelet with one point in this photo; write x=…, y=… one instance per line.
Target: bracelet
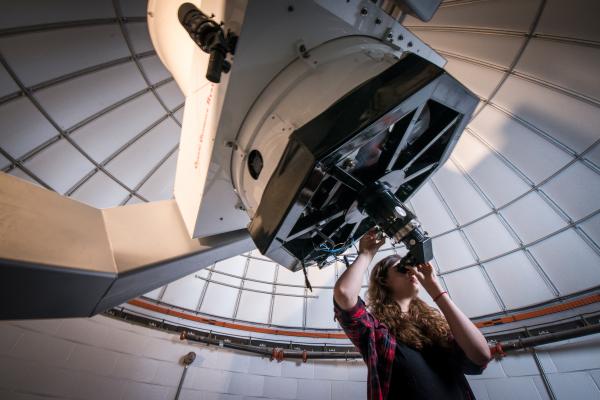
x=439, y=295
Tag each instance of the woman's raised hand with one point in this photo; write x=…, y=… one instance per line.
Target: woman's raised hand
x=369, y=244
x=427, y=277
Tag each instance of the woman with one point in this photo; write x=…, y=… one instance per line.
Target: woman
x=411, y=350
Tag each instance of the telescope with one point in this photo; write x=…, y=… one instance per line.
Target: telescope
x=308, y=123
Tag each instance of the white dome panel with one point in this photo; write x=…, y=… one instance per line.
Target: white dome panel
x=287, y=311
x=464, y=201
x=261, y=270
x=7, y=84
x=204, y=273
x=576, y=70
x=532, y=218
x=100, y=191
x=568, y=261
x=178, y=115
x=576, y=190
x=113, y=131
x=74, y=100
x=133, y=8
x=184, y=292
x=518, y=282
x=139, y=37
x=489, y=237
x=159, y=185
x=220, y=300
x=499, y=182
x=145, y=153
x=287, y=277
x=319, y=309
x=452, y=252
x=323, y=277
x=155, y=294
x=235, y=266
x=553, y=21
x=593, y=155
x=471, y=292
x=17, y=138
x=60, y=165
x=4, y=162
x=61, y=54
x=260, y=275
x=515, y=142
x=257, y=286
x=522, y=99
x=592, y=227
x=254, y=306
x=480, y=79
x=154, y=69
x=431, y=211
x=23, y=13
x=171, y=95
x=297, y=290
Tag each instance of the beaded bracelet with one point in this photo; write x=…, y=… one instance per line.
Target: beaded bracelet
x=439, y=295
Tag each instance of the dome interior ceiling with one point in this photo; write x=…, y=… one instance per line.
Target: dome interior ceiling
x=88, y=110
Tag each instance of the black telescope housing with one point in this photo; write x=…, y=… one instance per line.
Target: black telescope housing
x=354, y=165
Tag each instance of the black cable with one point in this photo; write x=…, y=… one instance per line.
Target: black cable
x=306, y=281
x=346, y=261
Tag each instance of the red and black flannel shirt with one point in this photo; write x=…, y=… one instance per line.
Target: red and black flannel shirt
x=376, y=345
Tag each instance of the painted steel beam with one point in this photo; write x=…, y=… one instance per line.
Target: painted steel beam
x=62, y=258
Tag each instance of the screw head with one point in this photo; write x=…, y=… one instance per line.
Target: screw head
x=349, y=163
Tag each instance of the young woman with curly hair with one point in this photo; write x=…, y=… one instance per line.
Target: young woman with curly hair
x=412, y=351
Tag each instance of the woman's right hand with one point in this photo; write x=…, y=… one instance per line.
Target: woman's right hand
x=369, y=244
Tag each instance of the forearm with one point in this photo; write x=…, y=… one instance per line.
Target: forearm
x=466, y=334
x=348, y=285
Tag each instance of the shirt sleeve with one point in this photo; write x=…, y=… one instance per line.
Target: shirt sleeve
x=356, y=322
x=467, y=366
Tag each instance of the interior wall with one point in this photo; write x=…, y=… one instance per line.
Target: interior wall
x=104, y=358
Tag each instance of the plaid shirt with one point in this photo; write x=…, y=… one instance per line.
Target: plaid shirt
x=378, y=349
x=376, y=345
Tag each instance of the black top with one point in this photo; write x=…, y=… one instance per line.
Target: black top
x=431, y=373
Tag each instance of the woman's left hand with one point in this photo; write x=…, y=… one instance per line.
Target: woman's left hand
x=468, y=337
x=427, y=277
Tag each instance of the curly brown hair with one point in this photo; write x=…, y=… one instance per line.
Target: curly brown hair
x=422, y=326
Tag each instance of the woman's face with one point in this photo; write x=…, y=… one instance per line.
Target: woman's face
x=403, y=285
